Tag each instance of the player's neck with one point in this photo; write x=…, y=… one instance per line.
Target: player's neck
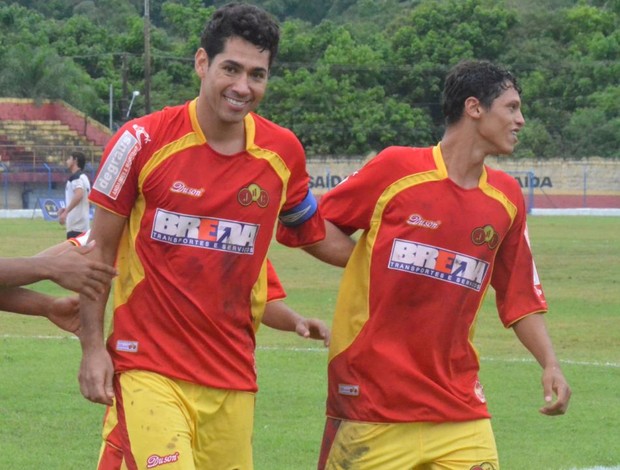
x=228, y=144
x=226, y=138
x=463, y=158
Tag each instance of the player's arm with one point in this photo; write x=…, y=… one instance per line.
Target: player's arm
x=280, y=316
x=62, y=311
x=335, y=248
x=532, y=332
x=65, y=265
x=96, y=368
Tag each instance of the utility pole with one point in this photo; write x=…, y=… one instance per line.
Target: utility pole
x=147, y=57
x=124, y=84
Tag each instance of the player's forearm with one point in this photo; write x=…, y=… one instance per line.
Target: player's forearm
x=92, y=313
x=24, y=301
x=334, y=249
x=532, y=332
x=16, y=272
x=280, y=316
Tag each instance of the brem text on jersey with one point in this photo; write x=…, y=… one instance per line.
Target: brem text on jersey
x=204, y=232
x=438, y=263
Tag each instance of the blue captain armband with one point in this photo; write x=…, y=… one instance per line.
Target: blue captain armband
x=300, y=213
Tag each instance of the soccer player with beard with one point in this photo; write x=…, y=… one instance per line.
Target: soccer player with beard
x=187, y=202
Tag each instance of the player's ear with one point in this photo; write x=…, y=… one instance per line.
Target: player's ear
x=201, y=62
x=472, y=107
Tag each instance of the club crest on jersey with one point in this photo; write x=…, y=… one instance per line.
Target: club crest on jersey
x=253, y=193
x=486, y=234
x=438, y=263
x=204, y=232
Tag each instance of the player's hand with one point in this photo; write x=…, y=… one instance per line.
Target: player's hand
x=62, y=216
x=313, y=328
x=95, y=376
x=75, y=271
x=64, y=312
x=553, y=382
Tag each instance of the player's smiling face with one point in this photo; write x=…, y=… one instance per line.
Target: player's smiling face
x=234, y=82
x=500, y=123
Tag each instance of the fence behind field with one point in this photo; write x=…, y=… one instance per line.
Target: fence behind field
x=550, y=184
x=546, y=184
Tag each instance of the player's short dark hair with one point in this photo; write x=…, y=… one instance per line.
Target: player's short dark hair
x=474, y=78
x=248, y=22
x=80, y=158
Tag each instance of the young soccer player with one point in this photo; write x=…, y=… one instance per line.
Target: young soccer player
x=439, y=228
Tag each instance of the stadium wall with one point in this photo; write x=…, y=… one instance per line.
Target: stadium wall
x=551, y=184
x=547, y=184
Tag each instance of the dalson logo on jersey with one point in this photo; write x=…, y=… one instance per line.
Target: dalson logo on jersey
x=204, y=232
x=445, y=265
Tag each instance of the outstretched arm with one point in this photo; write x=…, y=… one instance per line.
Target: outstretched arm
x=66, y=265
x=62, y=311
x=280, y=316
x=532, y=332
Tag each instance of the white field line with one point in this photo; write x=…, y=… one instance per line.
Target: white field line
x=321, y=349
x=617, y=467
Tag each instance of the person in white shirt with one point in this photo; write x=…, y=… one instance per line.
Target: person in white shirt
x=76, y=214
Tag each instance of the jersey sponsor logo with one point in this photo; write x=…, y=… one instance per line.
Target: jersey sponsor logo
x=179, y=187
x=444, y=265
x=140, y=133
x=204, y=232
x=127, y=346
x=419, y=221
x=484, y=466
x=116, y=167
x=486, y=234
x=253, y=193
x=156, y=460
x=349, y=390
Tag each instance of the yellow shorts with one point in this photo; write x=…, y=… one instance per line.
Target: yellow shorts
x=355, y=445
x=158, y=421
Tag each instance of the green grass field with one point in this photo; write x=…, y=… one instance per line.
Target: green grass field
x=45, y=423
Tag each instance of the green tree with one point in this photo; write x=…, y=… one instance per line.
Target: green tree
x=45, y=75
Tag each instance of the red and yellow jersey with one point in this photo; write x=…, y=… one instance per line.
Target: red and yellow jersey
x=192, y=258
x=275, y=290
x=401, y=347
